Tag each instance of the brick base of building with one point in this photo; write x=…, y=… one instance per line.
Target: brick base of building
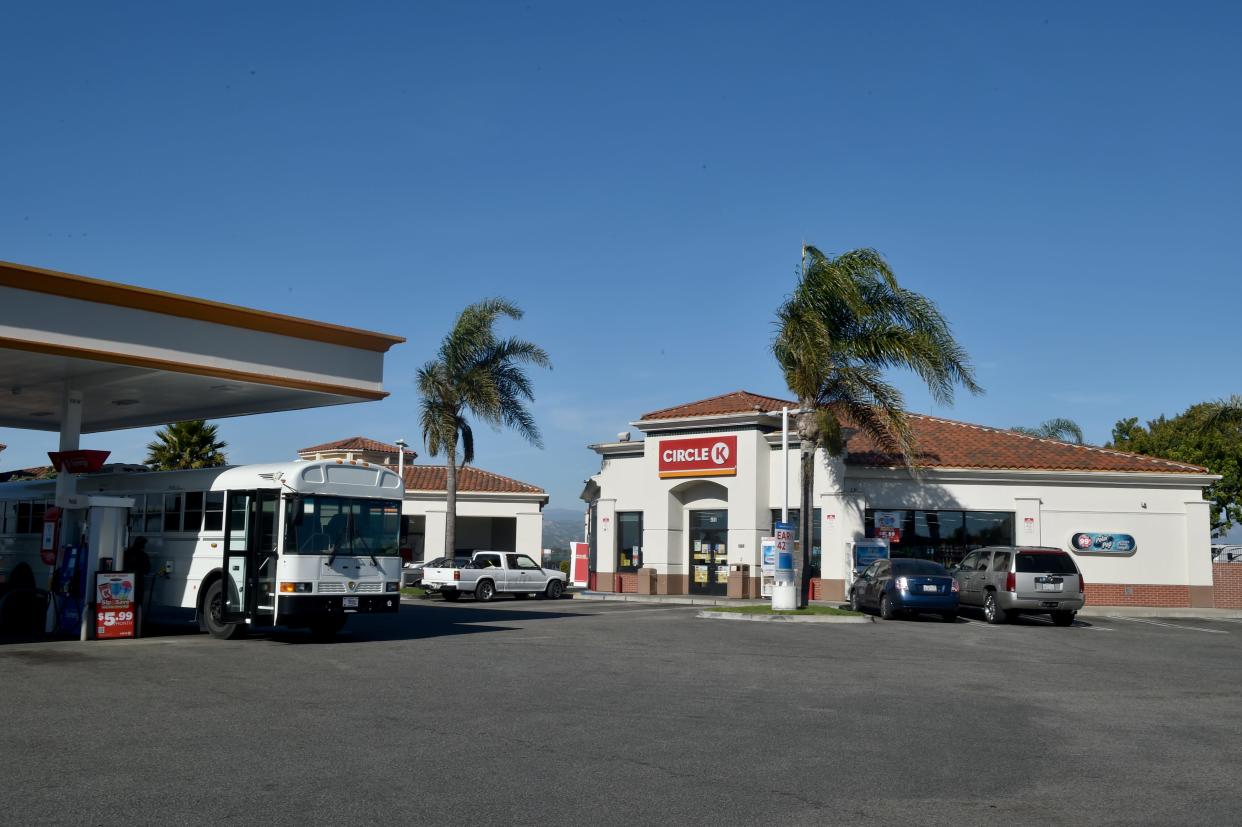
x=1227, y=585
x=1138, y=594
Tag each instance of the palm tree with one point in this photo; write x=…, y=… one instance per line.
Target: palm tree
x=1066, y=430
x=181, y=445
x=1223, y=412
x=847, y=321
x=478, y=373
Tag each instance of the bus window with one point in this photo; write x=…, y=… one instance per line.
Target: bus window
x=154, y=514
x=239, y=514
x=213, y=514
x=172, y=512
x=193, y=511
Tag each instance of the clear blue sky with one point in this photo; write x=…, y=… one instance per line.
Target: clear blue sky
x=1062, y=179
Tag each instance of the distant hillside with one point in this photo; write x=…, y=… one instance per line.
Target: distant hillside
x=561, y=526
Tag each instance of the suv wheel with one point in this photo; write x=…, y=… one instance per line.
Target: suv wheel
x=992, y=611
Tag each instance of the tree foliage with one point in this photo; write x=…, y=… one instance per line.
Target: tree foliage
x=1066, y=430
x=182, y=445
x=476, y=373
x=846, y=323
x=1207, y=434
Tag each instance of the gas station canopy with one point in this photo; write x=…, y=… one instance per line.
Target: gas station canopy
x=83, y=355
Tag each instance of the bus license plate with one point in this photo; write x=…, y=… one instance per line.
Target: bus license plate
x=349, y=602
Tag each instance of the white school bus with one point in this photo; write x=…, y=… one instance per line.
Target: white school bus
x=298, y=544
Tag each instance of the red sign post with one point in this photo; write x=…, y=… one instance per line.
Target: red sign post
x=708, y=456
x=114, y=605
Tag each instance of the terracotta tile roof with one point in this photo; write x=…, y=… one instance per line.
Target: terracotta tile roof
x=945, y=443
x=354, y=443
x=728, y=403
x=42, y=472
x=469, y=478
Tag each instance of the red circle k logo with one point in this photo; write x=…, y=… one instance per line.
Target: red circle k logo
x=720, y=453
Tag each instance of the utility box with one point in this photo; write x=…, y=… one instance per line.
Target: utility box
x=739, y=581
x=647, y=581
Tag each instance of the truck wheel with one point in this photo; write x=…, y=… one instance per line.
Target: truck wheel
x=213, y=611
x=324, y=629
x=484, y=591
x=554, y=590
x=451, y=596
x=992, y=611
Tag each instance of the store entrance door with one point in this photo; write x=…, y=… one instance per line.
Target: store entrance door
x=709, y=552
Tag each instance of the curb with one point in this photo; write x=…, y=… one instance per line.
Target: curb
x=708, y=613
x=675, y=601
x=1157, y=611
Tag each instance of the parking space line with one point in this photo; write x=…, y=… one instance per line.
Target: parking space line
x=1169, y=625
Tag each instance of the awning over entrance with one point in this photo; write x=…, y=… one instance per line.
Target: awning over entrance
x=83, y=355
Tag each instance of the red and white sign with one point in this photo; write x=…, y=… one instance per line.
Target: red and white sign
x=707, y=456
x=579, y=569
x=114, y=605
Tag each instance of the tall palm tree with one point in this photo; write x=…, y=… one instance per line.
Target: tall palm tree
x=181, y=445
x=1066, y=430
x=847, y=321
x=477, y=373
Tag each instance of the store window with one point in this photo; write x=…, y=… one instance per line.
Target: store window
x=629, y=541
x=943, y=536
x=816, y=542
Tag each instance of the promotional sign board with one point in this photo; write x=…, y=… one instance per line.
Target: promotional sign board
x=767, y=547
x=868, y=550
x=114, y=605
x=579, y=564
x=708, y=456
x=1092, y=542
x=784, y=548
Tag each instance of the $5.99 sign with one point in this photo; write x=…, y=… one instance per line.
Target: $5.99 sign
x=114, y=605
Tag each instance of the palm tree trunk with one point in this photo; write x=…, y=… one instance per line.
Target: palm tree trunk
x=450, y=503
x=806, y=518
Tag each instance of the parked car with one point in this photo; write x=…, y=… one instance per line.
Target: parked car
x=904, y=586
x=1226, y=554
x=489, y=573
x=1006, y=581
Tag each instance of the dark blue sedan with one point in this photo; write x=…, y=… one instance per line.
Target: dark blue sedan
x=901, y=586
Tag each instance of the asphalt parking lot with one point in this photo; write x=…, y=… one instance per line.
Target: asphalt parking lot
x=579, y=712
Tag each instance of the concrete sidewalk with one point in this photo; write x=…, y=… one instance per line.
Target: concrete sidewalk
x=1089, y=611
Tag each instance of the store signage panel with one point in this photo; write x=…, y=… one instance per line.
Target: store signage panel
x=114, y=605
x=710, y=456
x=1102, y=542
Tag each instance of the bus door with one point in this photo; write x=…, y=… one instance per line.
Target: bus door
x=250, y=556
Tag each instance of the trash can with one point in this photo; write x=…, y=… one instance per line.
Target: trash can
x=739, y=580
x=647, y=581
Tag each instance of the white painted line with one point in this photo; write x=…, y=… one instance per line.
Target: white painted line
x=1227, y=619
x=1169, y=625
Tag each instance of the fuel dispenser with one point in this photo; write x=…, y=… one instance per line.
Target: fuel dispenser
x=76, y=594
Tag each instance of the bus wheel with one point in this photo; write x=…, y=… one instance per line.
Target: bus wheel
x=213, y=611
x=325, y=629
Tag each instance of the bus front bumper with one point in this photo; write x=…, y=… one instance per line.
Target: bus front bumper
x=302, y=609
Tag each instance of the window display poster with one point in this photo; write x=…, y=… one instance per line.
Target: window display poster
x=888, y=520
x=722, y=574
x=700, y=574
x=114, y=605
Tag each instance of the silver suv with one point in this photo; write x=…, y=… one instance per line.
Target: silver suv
x=1006, y=580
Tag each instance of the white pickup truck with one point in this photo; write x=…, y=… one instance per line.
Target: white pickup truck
x=491, y=572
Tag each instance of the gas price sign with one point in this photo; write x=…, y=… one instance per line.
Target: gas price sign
x=114, y=605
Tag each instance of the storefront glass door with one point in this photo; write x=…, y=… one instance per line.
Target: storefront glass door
x=709, y=552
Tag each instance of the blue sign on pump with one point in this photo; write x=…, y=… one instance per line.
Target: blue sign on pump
x=868, y=550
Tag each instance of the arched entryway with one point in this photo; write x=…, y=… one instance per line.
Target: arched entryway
x=703, y=509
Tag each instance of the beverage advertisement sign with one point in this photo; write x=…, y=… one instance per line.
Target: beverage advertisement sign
x=1094, y=542
x=868, y=551
x=114, y=605
x=710, y=456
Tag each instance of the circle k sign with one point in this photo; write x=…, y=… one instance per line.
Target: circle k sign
x=711, y=456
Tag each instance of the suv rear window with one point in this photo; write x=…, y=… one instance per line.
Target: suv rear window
x=1046, y=562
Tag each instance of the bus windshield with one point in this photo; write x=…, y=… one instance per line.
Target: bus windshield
x=342, y=525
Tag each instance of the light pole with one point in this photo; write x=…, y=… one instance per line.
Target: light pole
x=401, y=446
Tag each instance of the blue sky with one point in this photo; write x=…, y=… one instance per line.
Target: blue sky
x=1061, y=179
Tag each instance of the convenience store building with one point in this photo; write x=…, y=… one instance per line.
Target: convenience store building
x=675, y=511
